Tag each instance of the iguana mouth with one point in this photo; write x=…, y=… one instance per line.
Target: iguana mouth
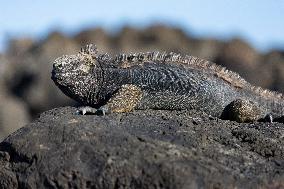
x=53, y=77
x=56, y=76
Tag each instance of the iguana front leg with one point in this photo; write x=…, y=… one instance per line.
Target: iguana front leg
x=124, y=100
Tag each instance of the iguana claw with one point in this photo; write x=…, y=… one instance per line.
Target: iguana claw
x=86, y=110
x=90, y=110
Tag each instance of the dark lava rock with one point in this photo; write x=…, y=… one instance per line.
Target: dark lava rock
x=142, y=149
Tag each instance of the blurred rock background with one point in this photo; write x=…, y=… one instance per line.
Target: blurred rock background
x=26, y=89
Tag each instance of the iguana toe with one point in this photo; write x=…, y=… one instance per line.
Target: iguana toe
x=268, y=118
x=86, y=110
x=90, y=110
x=103, y=110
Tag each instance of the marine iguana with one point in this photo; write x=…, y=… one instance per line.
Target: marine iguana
x=168, y=81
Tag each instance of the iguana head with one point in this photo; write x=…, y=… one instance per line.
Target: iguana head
x=77, y=75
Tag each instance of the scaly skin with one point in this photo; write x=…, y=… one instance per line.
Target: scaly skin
x=161, y=81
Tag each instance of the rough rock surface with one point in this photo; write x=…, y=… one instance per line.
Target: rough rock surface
x=142, y=149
